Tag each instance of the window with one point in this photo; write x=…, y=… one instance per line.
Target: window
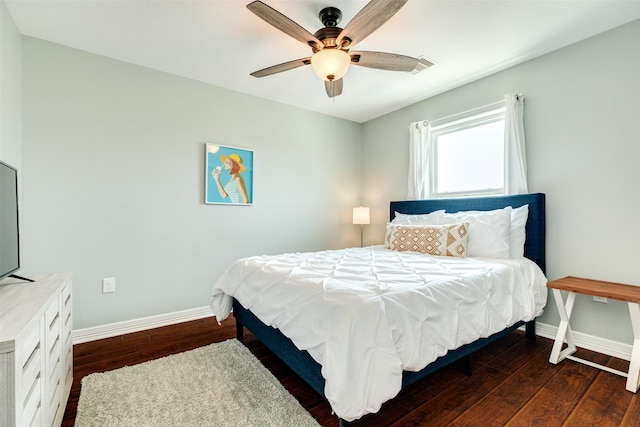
x=481, y=152
x=468, y=155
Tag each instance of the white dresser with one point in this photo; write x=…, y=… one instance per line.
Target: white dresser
x=36, y=356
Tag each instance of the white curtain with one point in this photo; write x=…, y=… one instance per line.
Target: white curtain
x=515, y=179
x=419, y=152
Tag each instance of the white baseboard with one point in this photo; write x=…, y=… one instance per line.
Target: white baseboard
x=590, y=342
x=135, y=325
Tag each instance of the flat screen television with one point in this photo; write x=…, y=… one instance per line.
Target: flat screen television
x=9, y=227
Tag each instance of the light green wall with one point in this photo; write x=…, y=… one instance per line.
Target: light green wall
x=113, y=162
x=10, y=96
x=583, y=148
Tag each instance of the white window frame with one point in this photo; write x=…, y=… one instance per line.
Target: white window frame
x=478, y=117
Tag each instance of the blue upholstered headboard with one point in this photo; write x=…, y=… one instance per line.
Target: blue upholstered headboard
x=534, y=246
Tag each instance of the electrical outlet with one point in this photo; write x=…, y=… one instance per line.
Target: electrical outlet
x=108, y=285
x=600, y=299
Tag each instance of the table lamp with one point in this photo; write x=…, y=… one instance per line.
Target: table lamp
x=361, y=216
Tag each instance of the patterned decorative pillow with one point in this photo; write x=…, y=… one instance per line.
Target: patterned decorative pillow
x=440, y=240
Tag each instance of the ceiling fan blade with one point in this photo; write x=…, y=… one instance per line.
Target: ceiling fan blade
x=286, y=66
x=368, y=19
x=388, y=61
x=333, y=88
x=284, y=24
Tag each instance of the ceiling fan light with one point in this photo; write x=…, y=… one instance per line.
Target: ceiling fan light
x=330, y=64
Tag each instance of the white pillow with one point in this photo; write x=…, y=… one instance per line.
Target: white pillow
x=519, y=218
x=489, y=231
x=430, y=218
x=417, y=219
x=517, y=232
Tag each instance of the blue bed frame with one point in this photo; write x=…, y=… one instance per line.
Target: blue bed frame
x=310, y=370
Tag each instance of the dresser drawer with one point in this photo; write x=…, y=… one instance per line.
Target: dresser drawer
x=31, y=372
x=32, y=403
x=53, y=313
x=30, y=340
x=67, y=320
x=54, y=391
x=30, y=356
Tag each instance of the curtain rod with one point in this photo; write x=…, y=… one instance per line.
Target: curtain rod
x=464, y=113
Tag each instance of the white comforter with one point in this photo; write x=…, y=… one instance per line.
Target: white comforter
x=367, y=314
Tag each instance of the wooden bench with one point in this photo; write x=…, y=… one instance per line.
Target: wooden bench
x=616, y=291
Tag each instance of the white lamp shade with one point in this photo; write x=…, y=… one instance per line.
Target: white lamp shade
x=361, y=215
x=330, y=64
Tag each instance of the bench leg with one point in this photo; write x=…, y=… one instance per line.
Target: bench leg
x=564, y=329
x=633, y=377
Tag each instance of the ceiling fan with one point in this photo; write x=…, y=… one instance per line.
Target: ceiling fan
x=331, y=45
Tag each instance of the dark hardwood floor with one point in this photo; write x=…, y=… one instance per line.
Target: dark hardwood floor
x=513, y=383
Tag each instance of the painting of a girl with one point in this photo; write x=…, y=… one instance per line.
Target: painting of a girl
x=227, y=168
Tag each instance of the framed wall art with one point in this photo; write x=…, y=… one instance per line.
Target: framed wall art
x=229, y=175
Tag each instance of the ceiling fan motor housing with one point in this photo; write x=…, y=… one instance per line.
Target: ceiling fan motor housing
x=330, y=16
x=327, y=36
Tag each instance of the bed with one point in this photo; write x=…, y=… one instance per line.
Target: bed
x=285, y=314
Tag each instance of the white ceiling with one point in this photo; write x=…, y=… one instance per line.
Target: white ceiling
x=221, y=42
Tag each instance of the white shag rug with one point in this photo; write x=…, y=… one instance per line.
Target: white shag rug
x=221, y=384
